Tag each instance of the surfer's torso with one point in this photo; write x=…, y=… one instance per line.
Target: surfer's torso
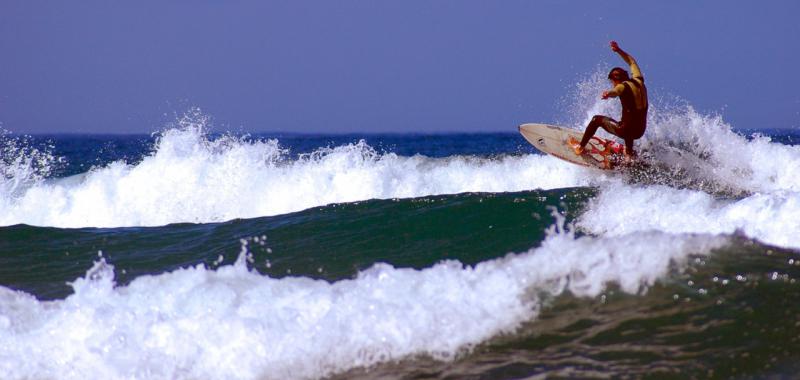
x=633, y=96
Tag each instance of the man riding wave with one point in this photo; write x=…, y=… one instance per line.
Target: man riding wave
x=632, y=94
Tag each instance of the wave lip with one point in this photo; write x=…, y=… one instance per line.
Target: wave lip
x=234, y=323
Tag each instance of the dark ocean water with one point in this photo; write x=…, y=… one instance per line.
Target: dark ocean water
x=195, y=255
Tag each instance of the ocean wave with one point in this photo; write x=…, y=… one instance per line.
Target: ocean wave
x=232, y=322
x=190, y=178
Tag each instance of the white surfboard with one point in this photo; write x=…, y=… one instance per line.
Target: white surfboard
x=553, y=140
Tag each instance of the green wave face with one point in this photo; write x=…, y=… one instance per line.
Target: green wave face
x=330, y=242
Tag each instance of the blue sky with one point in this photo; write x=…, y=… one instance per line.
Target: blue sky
x=381, y=66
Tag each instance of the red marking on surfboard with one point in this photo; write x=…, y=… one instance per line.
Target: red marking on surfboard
x=605, y=152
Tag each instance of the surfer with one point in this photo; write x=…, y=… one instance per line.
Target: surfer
x=632, y=94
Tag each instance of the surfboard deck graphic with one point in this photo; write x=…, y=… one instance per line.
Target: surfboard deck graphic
x=554, y=140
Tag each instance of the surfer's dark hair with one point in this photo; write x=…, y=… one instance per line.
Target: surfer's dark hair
x=618, y=74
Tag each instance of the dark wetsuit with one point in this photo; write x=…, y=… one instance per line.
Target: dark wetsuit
x=633, y=95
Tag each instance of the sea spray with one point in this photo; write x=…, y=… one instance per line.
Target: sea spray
x=22, y=164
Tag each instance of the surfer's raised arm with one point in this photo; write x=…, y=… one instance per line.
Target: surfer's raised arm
x=635, y=71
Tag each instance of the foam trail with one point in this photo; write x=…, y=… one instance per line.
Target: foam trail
x=190, y=178
x=773, y=218
x=710, y=150
x=232, y=323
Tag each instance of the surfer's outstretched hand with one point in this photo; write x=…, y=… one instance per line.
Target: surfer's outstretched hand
x=615, y=46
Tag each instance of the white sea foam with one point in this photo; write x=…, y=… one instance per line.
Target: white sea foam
x=772, y=217
x=231, y=323
x=190, y=178
x=709, y=150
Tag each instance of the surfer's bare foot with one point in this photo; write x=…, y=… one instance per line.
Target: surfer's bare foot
x=576, y=146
